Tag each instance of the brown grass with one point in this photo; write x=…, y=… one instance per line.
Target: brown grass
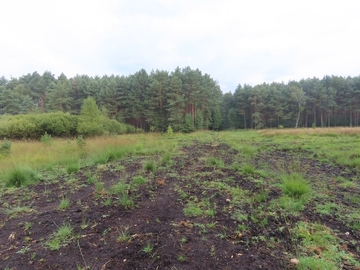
x=311, y=131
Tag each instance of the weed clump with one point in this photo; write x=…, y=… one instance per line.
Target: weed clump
x=72, y=167
x=21, y=176
x=213, y=161
x=150, y=166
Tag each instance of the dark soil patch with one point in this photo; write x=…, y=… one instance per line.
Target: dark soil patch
x=156, y=233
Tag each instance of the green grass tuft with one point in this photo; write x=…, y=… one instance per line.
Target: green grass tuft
x=294, y=185
x=21, y=176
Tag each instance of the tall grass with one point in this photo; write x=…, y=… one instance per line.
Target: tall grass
x=65, y=152
x=20, y=176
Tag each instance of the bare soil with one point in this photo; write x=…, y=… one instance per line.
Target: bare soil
x=158, y=220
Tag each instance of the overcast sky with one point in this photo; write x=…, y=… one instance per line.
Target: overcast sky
x=236, y=42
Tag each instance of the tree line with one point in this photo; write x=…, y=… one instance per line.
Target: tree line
x=330, y=101
x=184, y=99
x=187, y=99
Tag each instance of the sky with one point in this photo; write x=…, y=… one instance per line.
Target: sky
x=234, y=41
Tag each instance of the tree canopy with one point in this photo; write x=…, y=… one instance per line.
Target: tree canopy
x=159, y=99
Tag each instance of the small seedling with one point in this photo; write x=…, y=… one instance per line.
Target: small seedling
x=84, y=224
x=148, y=248
x=183, y=239
x=123, y=236
x=181, y=258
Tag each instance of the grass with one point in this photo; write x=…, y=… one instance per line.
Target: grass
x=294, y=185
x=62, y=236
x=150, y=166
x=123, y=236
x=99, y=150
x=215, y=162
x=17, y=211
x=64, y=203
x=319, y=240
x=192, y=210
x=253, y=200
x=21, y=176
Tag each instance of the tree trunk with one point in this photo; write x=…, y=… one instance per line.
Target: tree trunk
x=350, y=117
x=322, y=118
x=297, y=120
x=244, y=120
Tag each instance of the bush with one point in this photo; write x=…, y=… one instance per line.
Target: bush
x=33, y=126
x=114, y=127
x=130, y=128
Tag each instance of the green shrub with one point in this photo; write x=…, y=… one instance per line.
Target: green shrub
x=130, y=128
x=21, y=176
x=188, y=124
x=114, y=127
x=34, y=126
x=169, y=131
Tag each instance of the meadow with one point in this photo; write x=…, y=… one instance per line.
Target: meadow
x=267, y=199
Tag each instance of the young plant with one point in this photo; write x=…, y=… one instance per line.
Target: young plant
x=5, y=147
x=81, y=142
x=46, y=138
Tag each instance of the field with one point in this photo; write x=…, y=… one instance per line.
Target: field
x=269, y=199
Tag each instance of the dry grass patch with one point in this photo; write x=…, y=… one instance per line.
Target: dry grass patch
x=312, y=131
